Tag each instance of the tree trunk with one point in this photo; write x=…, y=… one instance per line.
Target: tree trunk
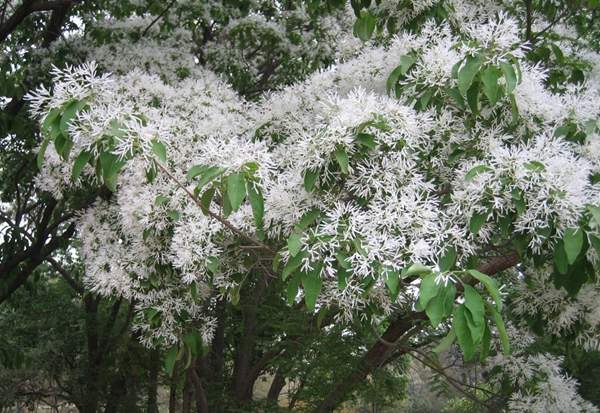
x=275, y=388
x=173, y=394
x=90, y=404
x=201, y=401
x=187, y=396
x=152, y=403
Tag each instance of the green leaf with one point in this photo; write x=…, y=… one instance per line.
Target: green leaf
x=458, y=99
x=194, y=342
x=364, y=26
x=161, y=200
x=292, y=264
x=308, y=218
x=51, y=121
x=441, y=305
x=573, y=240
x=416, y=269
x=294, y=243
x=501, y=329
x=445, y=343
x=510, y=76
x=209, y=174
x=560, y=258
x=367, y=140
x=477, y=221
x=82, y=159
x=463, y=334
x=342, y=159
x=195, y=171
x=292, y=288
x=159, y=150
x=489, y=77
x=311, y=283
x=67, y=116
x=174, y=215
x=236, y=190
x=257, y=203
x=110, y=166
x=490, y=285
x=535, y=166
x=473, y=97
x=595, y=241
x=392, y=280
x=393, y=78
x=42, y=153
x=467, y=73
x=486, y=342
x=595, y=211
x=170, y=359
x=476, y=170
x=448, y=260
x=476, y=307
x=310, y=178
x=428, y=289
x=206, y=198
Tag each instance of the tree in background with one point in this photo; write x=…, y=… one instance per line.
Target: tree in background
x=270, y=183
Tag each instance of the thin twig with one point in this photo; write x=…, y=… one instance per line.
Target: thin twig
x=158, y=17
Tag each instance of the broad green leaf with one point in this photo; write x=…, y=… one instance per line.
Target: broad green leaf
x=490, y=285
x=193, y=340
x=445, y=343
x=573, y=242
x=463, y=334
x=477, y=221
x=170, y=359
x=448, y=260
x=560, y=258
x=473, y=97
x=311, y=283
x=161, y=200
x=159, y=150
x=510, y=76
x=209, y=174
x=486, y=342
x=392, y=280
x=364, y=26
x=236, y=190
x=501, y=329
x=476, y=310
x=441, y=305
x=308, y=218
x=467, y=73
x=428, y=289
x=110, y=165
x=342, y=159
x=82, y=159
x=257, y=203
x=476, y=170
x=416, y=269
x=595, y=241
x=174, y=214
x=595, y=211
x=294, y=243
x=310, y=178
x=42, y=153
x=458, y=99
x=366, y=140
x=292, y=265
x=67, y=116
x=195, y=171
x=52, y=120
x=206, y=198
x=292, y=288
x=489, y=77
x=535, y=166
x=393, y=78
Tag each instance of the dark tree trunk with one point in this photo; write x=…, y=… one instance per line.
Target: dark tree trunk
x=173, y=394
x=275, y=388
x=90, y=404
x=152, y=402
x=187, y=395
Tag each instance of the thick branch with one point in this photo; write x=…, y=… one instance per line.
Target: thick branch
x=28, y=7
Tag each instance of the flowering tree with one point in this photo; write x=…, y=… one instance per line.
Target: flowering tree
x=426, y=170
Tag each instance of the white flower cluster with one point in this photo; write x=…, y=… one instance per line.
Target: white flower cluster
x=387, y=188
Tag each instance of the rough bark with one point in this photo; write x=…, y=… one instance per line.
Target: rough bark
x=152, y=389
x=277, y=385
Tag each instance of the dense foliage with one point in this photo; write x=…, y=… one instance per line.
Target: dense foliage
x=309, y=190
